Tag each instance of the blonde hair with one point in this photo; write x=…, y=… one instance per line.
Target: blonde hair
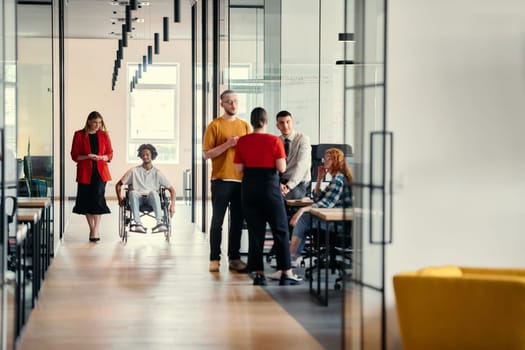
x=94, y=115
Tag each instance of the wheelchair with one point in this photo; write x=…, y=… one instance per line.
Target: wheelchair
x=145, y=210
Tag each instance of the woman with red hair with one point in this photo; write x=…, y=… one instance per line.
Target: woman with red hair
x=337, y=194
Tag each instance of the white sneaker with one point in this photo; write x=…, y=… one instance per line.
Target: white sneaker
x=161, y=227
x=138, y=228
x=277, y=276
x=290, y=279
x=294, y=277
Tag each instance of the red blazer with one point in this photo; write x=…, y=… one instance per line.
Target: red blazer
x=81, y=147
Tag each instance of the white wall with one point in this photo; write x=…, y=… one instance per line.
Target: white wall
x=456, y=88
x=34, y=78
x=89, y=67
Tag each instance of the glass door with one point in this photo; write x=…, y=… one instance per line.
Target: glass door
x=365, y=100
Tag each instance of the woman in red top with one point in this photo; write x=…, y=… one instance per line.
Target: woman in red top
x=260, y=156
x=92, y=150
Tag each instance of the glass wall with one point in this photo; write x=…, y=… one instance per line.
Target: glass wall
x=8, y=173
x=35, y=99
x=365, y=82
x=204, y=101
x=270, y=64
x=245, y=69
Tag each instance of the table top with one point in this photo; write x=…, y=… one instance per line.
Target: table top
x=302, y=202
x=333, y=214
x=28, y=214
x=33, y=202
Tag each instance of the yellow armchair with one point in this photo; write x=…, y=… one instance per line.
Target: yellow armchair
x=450, y=307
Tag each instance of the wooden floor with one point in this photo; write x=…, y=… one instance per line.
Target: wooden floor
x=149, y=294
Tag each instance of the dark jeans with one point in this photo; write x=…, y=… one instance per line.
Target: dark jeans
x=224, y=193
x=263, y=203
x=297, y=192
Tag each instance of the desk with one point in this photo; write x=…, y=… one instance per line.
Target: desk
x=32, y=218
x=329, y=216
x=303, y=202
x=47, y=240
x=18, y=243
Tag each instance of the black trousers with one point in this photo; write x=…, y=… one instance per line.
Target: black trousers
x=224, y=193
x=263, y=203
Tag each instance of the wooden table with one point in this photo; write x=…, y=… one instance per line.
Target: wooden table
x=329, y=216
x=47, y=240
x=32, y=218
x=18, y=243
x=303, y=202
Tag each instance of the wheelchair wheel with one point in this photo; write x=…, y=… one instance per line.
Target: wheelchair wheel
x=167, y=233
x=123, y=223
x=165, y=203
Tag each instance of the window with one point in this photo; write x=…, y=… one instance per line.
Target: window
x=154, y=112
x=248, y=89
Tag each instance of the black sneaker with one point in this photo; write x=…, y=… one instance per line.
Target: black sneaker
x=259, y=280
x=289, y=279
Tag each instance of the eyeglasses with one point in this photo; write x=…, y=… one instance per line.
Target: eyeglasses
x=230, y=102
x=326, y=159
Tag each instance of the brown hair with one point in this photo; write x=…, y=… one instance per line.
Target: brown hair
x=94, y=115
x=258, y=117
x=339, y=163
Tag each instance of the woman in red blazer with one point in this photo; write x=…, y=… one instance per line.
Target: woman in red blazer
x=92, y=152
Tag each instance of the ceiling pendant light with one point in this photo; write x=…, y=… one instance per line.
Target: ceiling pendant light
x=128, y=19
x=165, y=29
x=124, y=36
x=176, y=11
x=120, y=52
x=156, y=44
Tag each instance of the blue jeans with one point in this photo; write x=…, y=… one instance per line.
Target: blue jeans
x=136, y=199
x=224, y=194
x=303, y=226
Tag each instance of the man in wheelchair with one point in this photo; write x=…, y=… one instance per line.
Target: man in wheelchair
x=143, y=183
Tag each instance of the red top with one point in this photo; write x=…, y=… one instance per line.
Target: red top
x=259, y=150
x=81, y=147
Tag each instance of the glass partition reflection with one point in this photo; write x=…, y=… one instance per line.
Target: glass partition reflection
x=35, y=100
x=35, y=147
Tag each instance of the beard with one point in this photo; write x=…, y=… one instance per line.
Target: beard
x=230, y=113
